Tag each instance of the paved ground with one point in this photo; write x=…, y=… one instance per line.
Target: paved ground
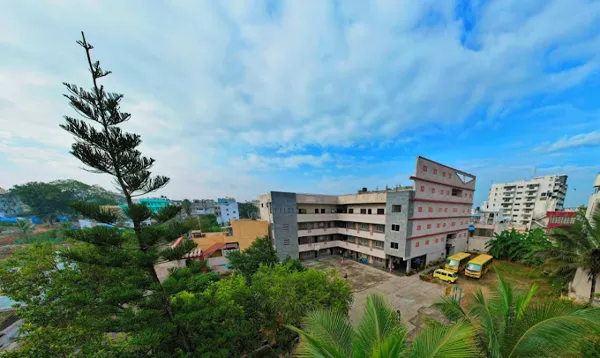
x=406, y=293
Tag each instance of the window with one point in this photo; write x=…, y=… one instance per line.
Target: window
x=363, y=211
x=426, y=242
x=441, y=191
x=395, y=227
x=425, y=168
x=454, y=223
x=445, y=210
x=443, y=239
x=350, y=211
x=456, y=192
x=439, y=210
x=438, y=225
x=380, y=211
x=363, y=242
x=434, y=171
x=379, y=228
x=418, y=227
x=444, y=174
x=420, y=209
x=437, y=240
x=396, y=208
x=262, y=205
x=322, y=211
x=422, y=188
x=429, y=226
x=369, y=212
x=444, y=224
x=461, y=223
x=316, y=211
x=417, y=244
x=449, y=175
x=430, y=209
x=447, y=192
x=432, y=190
x=454, y=210
x=364, y=227
x=350, y=225
x=378, y=244
x=394, y=245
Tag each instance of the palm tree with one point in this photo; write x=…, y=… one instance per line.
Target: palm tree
x=379, y=333
x=509, y=324
x=25, y=227
x=576, y=246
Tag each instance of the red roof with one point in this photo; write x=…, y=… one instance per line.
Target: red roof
x=211, y=250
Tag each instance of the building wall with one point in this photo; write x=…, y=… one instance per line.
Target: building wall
x=594, y=202
x=581, y=286
x=526, y=201
x=246, y=231
x=401, y=198
x=284, y=224
x=10, y=206
x=227, y=210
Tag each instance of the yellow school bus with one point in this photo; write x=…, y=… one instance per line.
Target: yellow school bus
x=479, y=266
x=457, y=262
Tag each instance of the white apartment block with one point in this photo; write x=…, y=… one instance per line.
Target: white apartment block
x=594, y=202
x=403, y=226
x=526, y=202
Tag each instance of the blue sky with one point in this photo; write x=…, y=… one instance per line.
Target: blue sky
x=242, y=97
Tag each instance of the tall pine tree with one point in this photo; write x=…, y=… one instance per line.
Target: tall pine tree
x=106, y=149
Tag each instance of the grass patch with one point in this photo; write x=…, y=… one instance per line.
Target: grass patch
x=524, y=277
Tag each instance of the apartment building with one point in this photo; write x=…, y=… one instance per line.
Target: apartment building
x=485, y=224
x=403, y=226
x=526, y=202
x=227, y=210
x=594, y=202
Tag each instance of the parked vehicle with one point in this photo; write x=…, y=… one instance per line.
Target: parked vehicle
x=445, y=275
x=457, y=262
x=479, y=266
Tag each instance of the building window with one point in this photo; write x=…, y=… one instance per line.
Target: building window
x=378, y=244
x=429, y=226
x=364, y=227
x=453, y=223
x=437, y=240
x=444, y=174
x=426, y=242
x=322, y=211
x=395, y=227
x=441, y=191
x=454, y=210
x=380, y=211
x=262, y=205
x=430, y=209
x=417, y=244
x=435, y=171
x=369, y=212
x=447, y=192
x=394, y=245
x=438, y=225
x=445, y=210
x=443, y=239
x=425, y=168
x=439, y=210
x=420, y=209
x=422, y=188
x=461, y=223
x=449, y=175
x=432, y=190
x=456, y=192
x=363, y=242
x=316, y=211
x=363, y=211
x=396, y=208
x=379, y=228
x=350, y=225
x=444, y=224
x=350, y=211
x=418, y=227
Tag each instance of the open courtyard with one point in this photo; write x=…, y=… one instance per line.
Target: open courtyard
x=405, y=293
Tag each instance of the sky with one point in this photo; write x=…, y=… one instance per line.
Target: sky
x=237, y=98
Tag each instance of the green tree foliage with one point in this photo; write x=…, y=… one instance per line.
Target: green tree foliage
x=204, y=223
x=510, y=324
x=247, y=262
x=111, y=284
x=380, y=333
x=515, y=246
x=25, y=228
x=248, y=210
x=52, y=199
x=186, y=206
x=576, y=246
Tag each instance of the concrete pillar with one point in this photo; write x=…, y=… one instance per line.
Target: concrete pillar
x=408, y=265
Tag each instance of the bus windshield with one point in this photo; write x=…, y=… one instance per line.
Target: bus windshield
x=452, y=262
x=474, y=267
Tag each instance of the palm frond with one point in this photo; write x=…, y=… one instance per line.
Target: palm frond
x=450, y=308
x=445, y=341
x=379, y=323
x=326, y=334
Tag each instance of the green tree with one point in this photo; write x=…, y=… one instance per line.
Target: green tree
x=247, y=262
x=248, y=210
x=25, y=227
x=130, y=291
x=380, y=333
x=186, y=205
x=576, y=246
x=515, y=246
x=510, y=324
x=44, y=200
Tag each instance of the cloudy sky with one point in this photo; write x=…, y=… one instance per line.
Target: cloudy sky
x=242, y=97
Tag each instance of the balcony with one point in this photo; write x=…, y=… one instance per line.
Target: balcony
x=380, y=236
x=372, y=251
x=359, y=218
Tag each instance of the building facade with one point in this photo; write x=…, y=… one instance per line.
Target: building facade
x=227, y=210
x=403, y=226
x=526, y=202
x=485, y=225
x=594, y=202
x=204, y=207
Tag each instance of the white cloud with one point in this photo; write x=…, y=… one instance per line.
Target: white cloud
x=255, y=161
x=566, y=142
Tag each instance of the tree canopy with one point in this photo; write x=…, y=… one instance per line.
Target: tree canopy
x=248, y=210
x=516, y=246
x=260, y=252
